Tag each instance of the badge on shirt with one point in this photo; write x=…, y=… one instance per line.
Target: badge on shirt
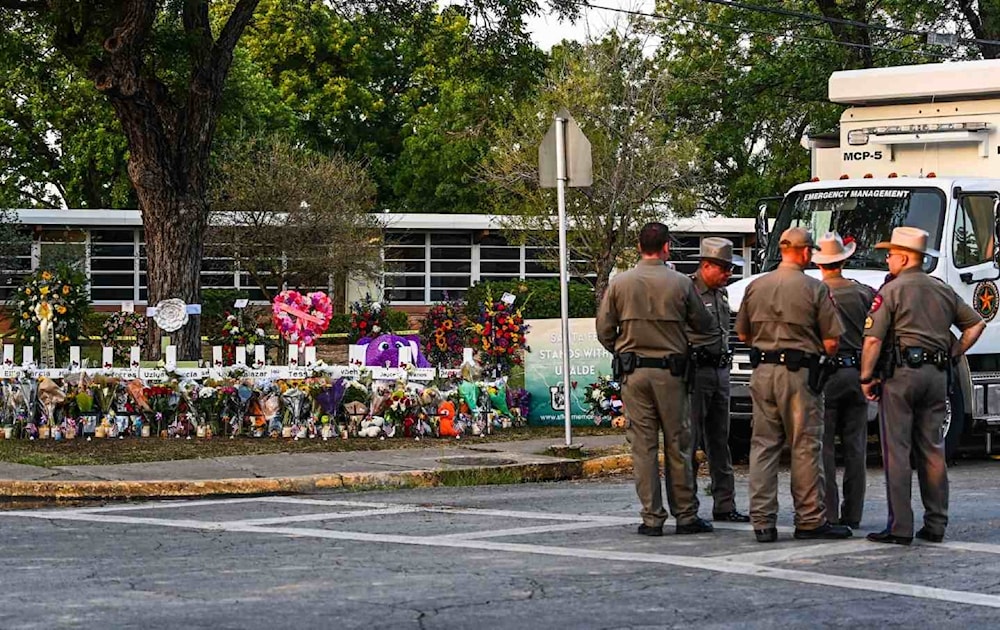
x=869, y=322
x=876, y=303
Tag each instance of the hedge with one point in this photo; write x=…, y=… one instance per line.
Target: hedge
x=540, y=299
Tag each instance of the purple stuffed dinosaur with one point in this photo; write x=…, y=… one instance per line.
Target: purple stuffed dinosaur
x=384, y=350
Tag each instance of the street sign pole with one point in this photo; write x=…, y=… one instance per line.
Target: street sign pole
x=563, y=271
x=564, y=160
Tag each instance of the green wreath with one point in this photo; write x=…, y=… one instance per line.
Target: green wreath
x=120, y=324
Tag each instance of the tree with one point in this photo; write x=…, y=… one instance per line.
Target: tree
x=414, y=91
x=294, y=218
x=751, y=84
x=616, y=95
x=60, y=144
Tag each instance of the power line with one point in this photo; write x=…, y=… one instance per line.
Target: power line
x=841, y=21
x=715, y=25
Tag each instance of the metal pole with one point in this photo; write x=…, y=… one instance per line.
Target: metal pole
x=563, y=270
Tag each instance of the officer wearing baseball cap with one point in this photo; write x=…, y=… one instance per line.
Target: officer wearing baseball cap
x=642, y=320
x=710, y=391
x=913, y=315
x=792, y=324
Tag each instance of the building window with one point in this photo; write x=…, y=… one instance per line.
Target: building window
x=112, y=265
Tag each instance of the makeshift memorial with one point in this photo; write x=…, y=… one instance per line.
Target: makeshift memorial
x=368, y=319
x=123, y=324
x=603, y=398
x=238, y=330
x=56, y=299
x=301, y=319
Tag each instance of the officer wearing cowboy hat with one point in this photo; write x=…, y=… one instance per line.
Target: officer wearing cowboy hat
x=845, y=408
x=710, y=393
x=793, y=326
x=913, y=315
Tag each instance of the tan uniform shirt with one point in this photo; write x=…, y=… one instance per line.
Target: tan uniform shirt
x=853, y=300
x=716, y=301
x=788, y=310
x=645, y=311
x=919, y=310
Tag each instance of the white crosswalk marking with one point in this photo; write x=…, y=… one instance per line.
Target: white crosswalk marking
x=755, y=564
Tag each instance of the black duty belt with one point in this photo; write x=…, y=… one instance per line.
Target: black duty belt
x=915, y=357
x=847, y=360
x=793, y=359
x=662, y=363
x=704, y=358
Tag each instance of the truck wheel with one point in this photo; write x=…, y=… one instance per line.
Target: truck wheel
x=954, y=424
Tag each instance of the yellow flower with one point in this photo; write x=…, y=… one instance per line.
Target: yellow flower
x=43, y=310
x=65, y=289
x=44, y=290
x=24, y=316
x=46, y=276
x=61, y=309
x=27, y=291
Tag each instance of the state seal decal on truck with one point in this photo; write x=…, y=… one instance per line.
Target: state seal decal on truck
x=985, y=298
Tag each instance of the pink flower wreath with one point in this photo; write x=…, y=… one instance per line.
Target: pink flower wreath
x=301, y=319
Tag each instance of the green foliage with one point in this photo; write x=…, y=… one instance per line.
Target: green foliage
x=215, y=303
x=539, y=299
x=615, y=94
x=398, y=320
x=59, y=140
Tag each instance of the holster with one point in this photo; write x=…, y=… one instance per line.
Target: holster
x=622, y=364
x=821, y=368
x=755, y=356
x=679, y=365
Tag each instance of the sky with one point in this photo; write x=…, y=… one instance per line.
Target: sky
x=547, y=30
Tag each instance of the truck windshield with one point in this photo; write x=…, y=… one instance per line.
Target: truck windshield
x=865, y=215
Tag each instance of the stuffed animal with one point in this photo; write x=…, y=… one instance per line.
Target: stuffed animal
x=383, y=351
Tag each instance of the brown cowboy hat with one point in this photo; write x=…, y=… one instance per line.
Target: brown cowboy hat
x=909, y=238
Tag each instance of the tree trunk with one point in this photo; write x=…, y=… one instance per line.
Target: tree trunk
x=174, y=248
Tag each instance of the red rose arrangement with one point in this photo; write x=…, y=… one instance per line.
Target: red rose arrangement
x=368, y=319
x=498, y=334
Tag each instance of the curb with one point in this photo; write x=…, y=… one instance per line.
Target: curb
x=11, y=491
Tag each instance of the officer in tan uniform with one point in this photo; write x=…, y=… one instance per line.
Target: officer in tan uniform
x=710, y=393
x=846, y=410
x=791, y=323
x=913, y=315
x=642, y=321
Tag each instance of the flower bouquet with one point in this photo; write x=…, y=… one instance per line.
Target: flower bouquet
x=119, y=325
x=163, y=402
x=368, y=319
x=399, y=412
x=442, y=334
x=60, y=297
x=236, y=331
x=103, y=389
x=498, y=333
x=603, y=398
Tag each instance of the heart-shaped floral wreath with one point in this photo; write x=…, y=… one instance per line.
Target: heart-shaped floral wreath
x=301, y=319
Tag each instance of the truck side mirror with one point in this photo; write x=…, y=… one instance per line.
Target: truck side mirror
x=761, y=232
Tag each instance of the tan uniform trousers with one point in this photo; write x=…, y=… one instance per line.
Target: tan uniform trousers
x=785, y=409
x=655, y=401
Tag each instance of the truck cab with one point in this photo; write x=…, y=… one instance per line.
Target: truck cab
x=918, y=146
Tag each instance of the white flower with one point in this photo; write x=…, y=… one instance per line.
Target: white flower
x=376, y=306
x=234, y=330
x=376, y=329
x=260, y=332
x=206, y=392
x=171, y=315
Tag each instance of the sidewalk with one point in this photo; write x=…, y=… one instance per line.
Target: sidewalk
x=454, y=461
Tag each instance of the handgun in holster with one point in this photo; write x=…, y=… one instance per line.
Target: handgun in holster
x=821, y=368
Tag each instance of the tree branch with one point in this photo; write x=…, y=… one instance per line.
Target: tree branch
x=38, y=6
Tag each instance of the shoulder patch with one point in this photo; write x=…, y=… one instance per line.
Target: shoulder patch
x=876, y=304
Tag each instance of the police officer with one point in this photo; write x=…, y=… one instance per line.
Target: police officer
x=642, y=321
x=913, y=315
x=710, y=393
x=846, y=410
x=791, y=322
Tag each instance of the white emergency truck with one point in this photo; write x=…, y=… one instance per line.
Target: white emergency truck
x=918, y=146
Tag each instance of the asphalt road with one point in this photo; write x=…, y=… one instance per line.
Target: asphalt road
x=553, y=555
